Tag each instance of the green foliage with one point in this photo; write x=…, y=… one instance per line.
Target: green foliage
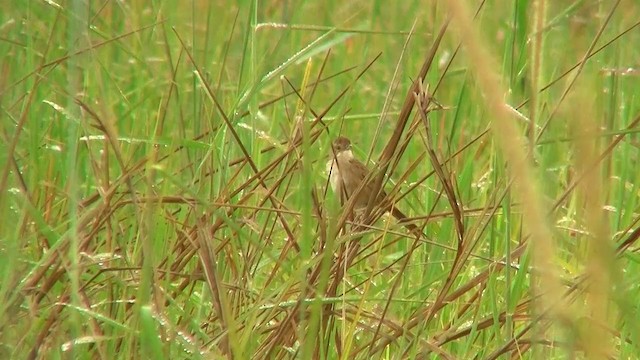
x=164, y=191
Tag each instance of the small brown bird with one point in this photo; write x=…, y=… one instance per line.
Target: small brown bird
x=346, y=175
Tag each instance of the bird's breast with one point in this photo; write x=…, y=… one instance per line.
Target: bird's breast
x=334, y=177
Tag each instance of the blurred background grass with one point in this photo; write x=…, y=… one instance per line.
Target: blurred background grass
x=133, y=225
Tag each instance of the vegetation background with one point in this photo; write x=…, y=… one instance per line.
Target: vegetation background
x=164, y=191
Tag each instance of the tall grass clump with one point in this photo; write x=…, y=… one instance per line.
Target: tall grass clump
x=164, y=192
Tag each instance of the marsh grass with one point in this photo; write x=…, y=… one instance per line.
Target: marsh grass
x=164, y=192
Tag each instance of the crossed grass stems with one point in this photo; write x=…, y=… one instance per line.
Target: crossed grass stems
x=341, y=243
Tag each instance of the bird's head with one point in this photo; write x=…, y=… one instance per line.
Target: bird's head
x=341, y=144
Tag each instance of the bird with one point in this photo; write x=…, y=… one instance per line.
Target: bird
x=346, y=174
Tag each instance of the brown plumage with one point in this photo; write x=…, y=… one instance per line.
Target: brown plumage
x=347, y=173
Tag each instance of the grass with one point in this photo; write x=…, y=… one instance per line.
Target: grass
x=164, y=192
